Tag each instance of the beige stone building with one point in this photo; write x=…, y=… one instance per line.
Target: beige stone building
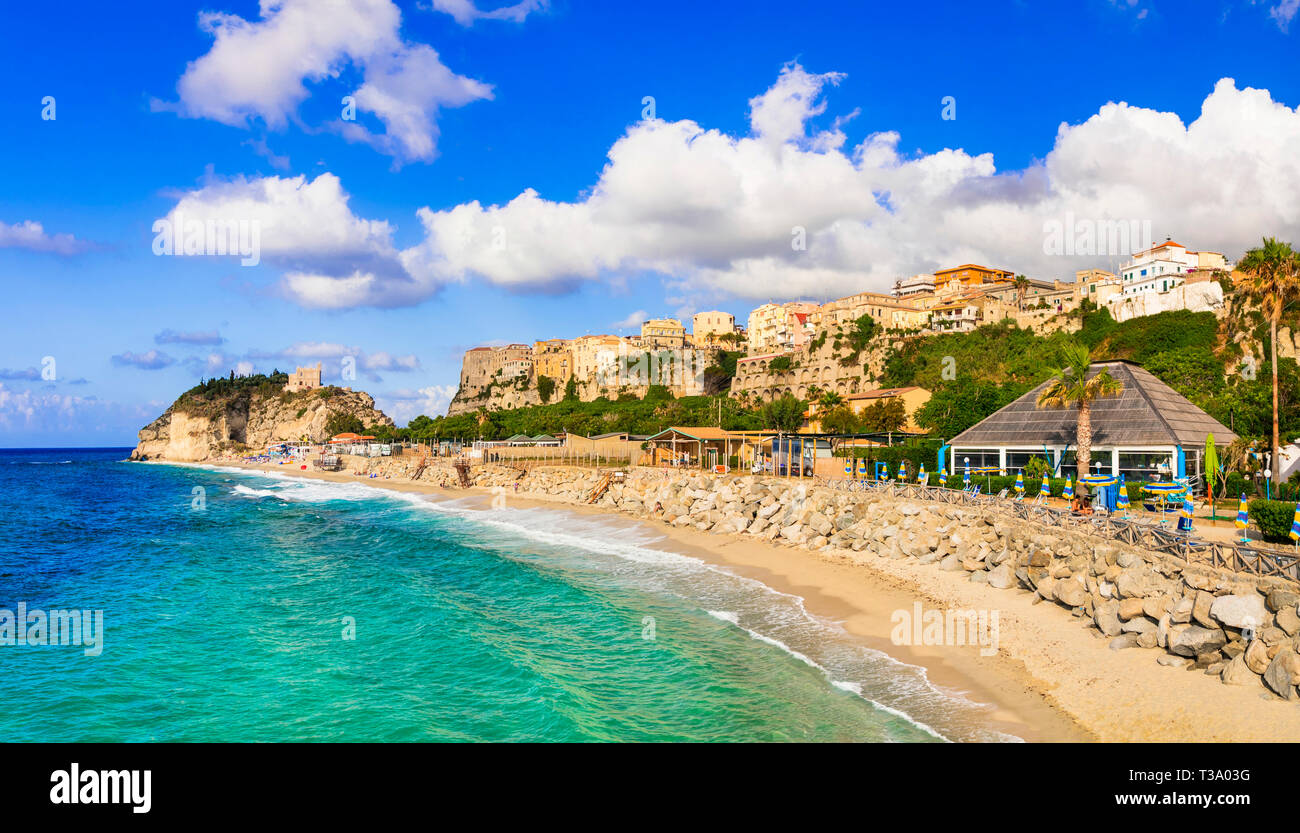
x=304, y=378
x=553, y=358
x=594, y=354
x=776, y=327
x=708, y=327
x=663, y=334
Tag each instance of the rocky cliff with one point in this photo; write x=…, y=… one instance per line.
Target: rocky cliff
x=203, y=424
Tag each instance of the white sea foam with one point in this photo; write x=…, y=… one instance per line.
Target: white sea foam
x=780, y=611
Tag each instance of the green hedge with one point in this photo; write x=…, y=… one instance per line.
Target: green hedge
x=1273, y=517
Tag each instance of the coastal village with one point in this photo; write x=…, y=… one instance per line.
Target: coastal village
x=784, y=344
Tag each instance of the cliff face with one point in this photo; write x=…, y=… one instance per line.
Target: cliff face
x=196, y=428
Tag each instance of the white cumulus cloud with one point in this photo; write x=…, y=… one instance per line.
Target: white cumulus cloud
x=788, y=210
x=32, y=236
x=261, y=70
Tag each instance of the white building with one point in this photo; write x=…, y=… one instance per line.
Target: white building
x=915, y=285
x=1164, y=267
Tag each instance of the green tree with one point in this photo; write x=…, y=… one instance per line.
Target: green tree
x=884, y=415
x=421, y=426
x=545, y=387
x=1073, y=386
x=1271, y=275
x=783, y=414
x=839, y=419
x=571, y=390
x=340, y=422
x=1021, y=282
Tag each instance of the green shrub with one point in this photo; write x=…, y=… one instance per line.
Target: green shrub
x=1273, y=517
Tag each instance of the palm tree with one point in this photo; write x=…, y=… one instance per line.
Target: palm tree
x=1071, y=386
x=1022, y=287
x=1269, y=274
x=829, y=400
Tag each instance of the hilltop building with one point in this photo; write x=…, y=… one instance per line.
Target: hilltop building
x=1164, y=267
x=968, y=276
x=663, y=334
x=776, y=327
x=707, y=328
x=304, y=378
x=917, y=285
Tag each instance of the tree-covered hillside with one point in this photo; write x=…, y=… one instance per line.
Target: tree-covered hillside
x=974, y=374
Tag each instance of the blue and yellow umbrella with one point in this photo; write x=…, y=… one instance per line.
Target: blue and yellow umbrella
x=1098, y=480
x=1243, y=513
x=1295, y=525
x=848, y=467
x=943, y=477
x=1186, y=512
x=862, y=467
x=902, y=469
x=1068, y=491
x=1046, y=489
x=920, y=475
x=965, y=478
x=1121, y=502
x=1020, y=483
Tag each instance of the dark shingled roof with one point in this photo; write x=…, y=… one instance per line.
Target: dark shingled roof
x=1147, y=412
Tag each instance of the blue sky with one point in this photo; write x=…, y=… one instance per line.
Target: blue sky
x=378, y=235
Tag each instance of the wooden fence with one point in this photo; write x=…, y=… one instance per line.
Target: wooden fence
x=1241, y=558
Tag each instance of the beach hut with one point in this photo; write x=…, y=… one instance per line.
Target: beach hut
x=695, y=446
x=1147, y=431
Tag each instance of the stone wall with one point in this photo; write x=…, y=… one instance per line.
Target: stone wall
x=1243, y=629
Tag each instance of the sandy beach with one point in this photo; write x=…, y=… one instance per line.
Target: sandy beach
x=1052, y=679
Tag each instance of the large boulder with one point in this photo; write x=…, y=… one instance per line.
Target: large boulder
x=1239, y=611
x=1001, y=577
x=1283, y=673
x=1238, y=672
x=1194, y=640
x=1107, y=619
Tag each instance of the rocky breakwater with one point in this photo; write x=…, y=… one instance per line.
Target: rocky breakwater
x=1243, y=629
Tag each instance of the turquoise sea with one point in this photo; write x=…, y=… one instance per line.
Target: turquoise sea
x=226, y=619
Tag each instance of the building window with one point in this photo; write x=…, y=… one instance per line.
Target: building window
x=1144, y=465
x=978, y=457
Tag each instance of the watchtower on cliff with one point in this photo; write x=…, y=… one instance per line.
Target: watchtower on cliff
x=304, y=378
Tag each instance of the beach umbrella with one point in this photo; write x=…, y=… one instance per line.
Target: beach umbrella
x=920, y=475
x=1020, y=482
x=1185, y=515
x=1295, y=525
x=965, y=479
x=902, y=469
x=862, y=467
x=1211, y=471
x=1121, y=502
x=1068, y=492
x=1097, y=480
x=1046, y=489
x=1243, y=516
x=943, y=477
x=848, y=467
x=1164, y=488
